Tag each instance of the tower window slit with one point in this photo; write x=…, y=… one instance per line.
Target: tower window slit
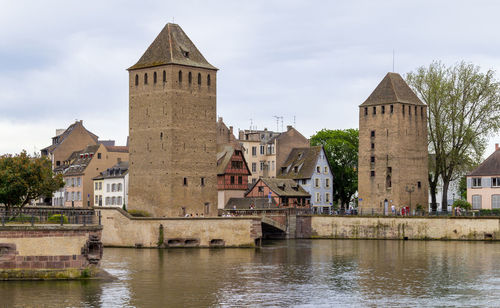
x=136, y=79
x=190, y=77
x=180, y=76
x=145, y=78
x=199, y=79
x=164, y=76
x=154, y=77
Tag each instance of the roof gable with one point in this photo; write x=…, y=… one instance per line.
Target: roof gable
x=392, y=89
x=491, y=166
x=301, y=163
x=283, y=187
x=172, y=46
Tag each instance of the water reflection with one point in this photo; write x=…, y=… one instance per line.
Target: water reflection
x=283, y=273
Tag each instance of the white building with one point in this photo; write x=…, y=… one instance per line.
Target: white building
x=111, y=186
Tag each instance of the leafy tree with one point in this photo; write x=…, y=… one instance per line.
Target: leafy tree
x=462, y=188
x=341, y=148
x=463, y=111
x=24, y=178
x=462, y=204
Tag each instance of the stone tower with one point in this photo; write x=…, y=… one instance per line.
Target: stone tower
x=172, y=110
x=392, y=148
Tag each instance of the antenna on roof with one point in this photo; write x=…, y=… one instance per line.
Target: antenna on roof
x=294, y=121
x=393, y=60
x=251, y=123
x=278, y=122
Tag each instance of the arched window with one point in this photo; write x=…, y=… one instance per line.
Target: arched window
x=136, y=79
x=388, y=181
x=208, y=80
x=107, y=201
x=113, y=201
x=180, y=76
x=154, y=77
x=145, y=78
x=199, y=79
x=164, y=76
x=190, y=77
x=113, y=187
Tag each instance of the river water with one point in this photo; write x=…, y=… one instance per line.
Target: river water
x=305, y=273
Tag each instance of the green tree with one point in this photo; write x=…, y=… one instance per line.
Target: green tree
x=341, y=148
x=462, y=188
x=24, y=178
x=463, y=111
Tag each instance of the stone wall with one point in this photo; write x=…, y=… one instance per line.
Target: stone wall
x=48, y=251
x=123, y=230
x=449, y=228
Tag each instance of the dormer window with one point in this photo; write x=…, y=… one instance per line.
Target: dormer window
x=185, y=53
x=295, y=169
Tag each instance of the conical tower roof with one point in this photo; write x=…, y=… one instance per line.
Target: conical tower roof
x=392, y=89
x=172, y=46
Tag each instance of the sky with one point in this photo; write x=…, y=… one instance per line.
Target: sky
x=310, y=62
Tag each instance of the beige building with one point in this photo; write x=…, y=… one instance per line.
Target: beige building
x=78, y=176
x=483, y=183
x=172, y=110
x=266, y=151
x=392, y=148
x=225, y=136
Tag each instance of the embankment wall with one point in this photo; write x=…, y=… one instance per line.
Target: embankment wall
x=122, y=230
x=412, y=228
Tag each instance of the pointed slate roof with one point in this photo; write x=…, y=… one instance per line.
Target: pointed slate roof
x=392, y=89
x=491, y=166
x=304, y=159
x=172, y=46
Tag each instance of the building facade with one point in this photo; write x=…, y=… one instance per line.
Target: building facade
x=172, y=121
x=232, y=175
x=393, y=155
x=284, y=193
x=111, y=186
x=309, y=168
x=483, y=183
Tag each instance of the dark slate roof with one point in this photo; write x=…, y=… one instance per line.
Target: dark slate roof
x=392, y=89
x=172, y=46
x=304, y=159
x=491, y=166
x=65, y=134
x=244, y=203
x=285, y=187
x=117, y=171
x=224, y=157
x=79, y=165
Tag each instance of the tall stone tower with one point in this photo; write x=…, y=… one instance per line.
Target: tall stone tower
x=172, y=110
x=392, y=148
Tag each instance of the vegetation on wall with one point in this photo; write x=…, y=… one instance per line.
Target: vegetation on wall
x=463, y=111
x=341, y=148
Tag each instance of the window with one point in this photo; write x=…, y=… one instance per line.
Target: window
x=119, y=187
x=495, y=201
x=199, y=79
x=318, y=169
x=136, y=80
x=79, y=196
x=107, y=201
x=154, y=77
x=327, y=183
x=164, y=76
x=383, y=109
x=58, y=163
x=254, y=151
x=415, y=110
x=366, y=110
x=421, y=112
x=372, y=173
x=236, y=164
x=372, y=159
x=240, y=180
x=316, y=182
x=107, y=187
x=296, y=169
x=254, y=167
x=261, y=188
x=327, y=197
x=113, y=187
x=145, y=78
x=409, y=110
x=318, y=197
x=495, y=182
x=78, y=181
x=262, y=150
x=372, y=133
x=98, y=155
x=403, y=108
x=373, y=145
x=388, y=181
x=419, y=184
x=272, y=164
x=392, y=109
x=190, y=77
x=183, y=211
x=96, y=186
x=119, y=201
x=326, y=170
x=185, y=181
x=476, y=202
x=100, y=185
x=180, y=76
x=161, y=135
x=208, y=80
x=202, y=181
x=207, y=208
x=476, y=182
x=232, y=179
x=96, y=199
x=113, y=200
x=374, y=110
x=262, y=165
x=304, y=182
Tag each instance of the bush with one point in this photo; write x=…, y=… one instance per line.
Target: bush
x=139, y=213
x=462, y=204
x=56, y=219
x=23, y=218
x=493, y=212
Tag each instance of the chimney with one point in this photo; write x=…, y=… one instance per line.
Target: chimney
x=220, y=119
x=496, y=147
x=289, y=127
x=231, y=129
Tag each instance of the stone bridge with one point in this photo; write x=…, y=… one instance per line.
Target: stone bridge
x=276, y=223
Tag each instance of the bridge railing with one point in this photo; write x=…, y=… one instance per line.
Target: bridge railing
x=265, y=212
x=49, y=215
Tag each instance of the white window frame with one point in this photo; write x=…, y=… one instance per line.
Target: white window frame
x=316, y=182
x=495, y=201
x=327, y=183
x=327, y=197
x=318, y=197
x=476, y=204
x=495, y=181
x=476, y=183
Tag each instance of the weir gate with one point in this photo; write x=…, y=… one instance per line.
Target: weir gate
x=276, y=223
